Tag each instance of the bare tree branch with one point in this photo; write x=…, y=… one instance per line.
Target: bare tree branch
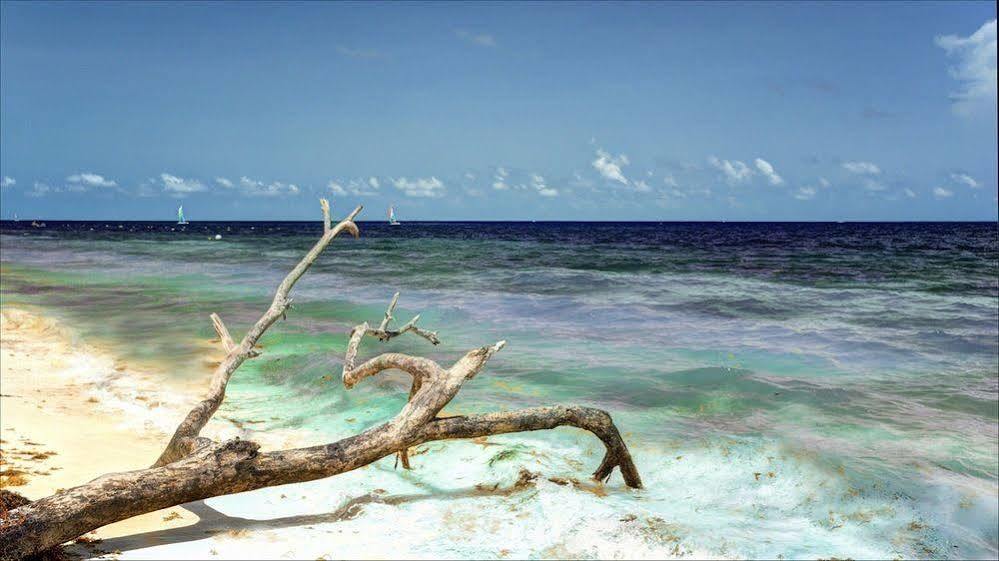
x=543, y=418
x=382, y=334
x=419, y=368
x=193, y=467
x=236, y=466
x=327, y=221
x=227, y=343
x=182, y=441
x=388, y=312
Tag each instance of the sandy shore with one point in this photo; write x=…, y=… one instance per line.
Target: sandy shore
x=72, y=412
x=55, y=431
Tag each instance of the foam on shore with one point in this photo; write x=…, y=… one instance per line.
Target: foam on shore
x=744, y=497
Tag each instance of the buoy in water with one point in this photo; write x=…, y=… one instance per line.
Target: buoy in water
x=218, y=236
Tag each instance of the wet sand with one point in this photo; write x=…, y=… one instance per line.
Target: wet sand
x=55, y=432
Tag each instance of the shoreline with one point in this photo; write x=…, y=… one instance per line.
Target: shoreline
x=60, y=426
x=71, y=412
x=99, y=414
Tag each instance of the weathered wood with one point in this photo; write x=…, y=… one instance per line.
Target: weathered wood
x=182, y=441
x=193, y=467
x=382, y=333
x=236, y=466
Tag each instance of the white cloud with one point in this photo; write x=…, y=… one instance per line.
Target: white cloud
x=610, y=166
x=805, y=193
x=861, y=168
x=356, y=187
x=768, y=171
x=499, y=179
x=735, y=171
x=538, y=182
x=179, y=186
x=941, y=193
x=256, y=188
x=39, y=190
x=867, y=172
x=8, y=182
x=976, y=67
x=468, y=185
x=872, y=184
x=824, y=183
x=87, y=179
x=480, y=39
x=670, y=181
x=420, y=187
x=641, y=186
x=965, y=179
x=909, y=193
x=224, y=182
x=336, y=188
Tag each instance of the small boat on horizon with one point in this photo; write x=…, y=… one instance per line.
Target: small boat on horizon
x=180, y=215
x=391, y=216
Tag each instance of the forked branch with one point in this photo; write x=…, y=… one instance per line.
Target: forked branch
x=227, y=343
x=183, y=439
x=382, y=333
x=193, y=467
x=421, y=369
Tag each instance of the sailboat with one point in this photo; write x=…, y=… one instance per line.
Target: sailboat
x=392, y=220
x=180, y=216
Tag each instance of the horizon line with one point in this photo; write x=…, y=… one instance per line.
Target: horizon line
x=523, y=221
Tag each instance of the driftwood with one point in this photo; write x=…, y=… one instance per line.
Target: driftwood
x=193, y=467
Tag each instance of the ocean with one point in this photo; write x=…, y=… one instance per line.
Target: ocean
x=788, y=390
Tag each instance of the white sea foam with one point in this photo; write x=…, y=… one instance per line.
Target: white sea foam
x=769, y=415
x=744, y=499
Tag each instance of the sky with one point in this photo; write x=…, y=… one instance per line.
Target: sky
x=487, y=111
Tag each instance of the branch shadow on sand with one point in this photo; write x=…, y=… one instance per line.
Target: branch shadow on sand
x=211, y=522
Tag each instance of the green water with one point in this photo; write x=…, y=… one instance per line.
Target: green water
x=795, y=392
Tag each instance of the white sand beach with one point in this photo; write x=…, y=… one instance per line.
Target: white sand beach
x=56, y=432
x=71, y=412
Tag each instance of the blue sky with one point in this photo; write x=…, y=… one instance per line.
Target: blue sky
x=624, y=111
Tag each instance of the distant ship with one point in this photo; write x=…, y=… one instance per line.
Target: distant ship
x=180, y=216
x=392, y=220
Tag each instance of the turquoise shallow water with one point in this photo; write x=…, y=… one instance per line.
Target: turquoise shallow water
x=805, y=391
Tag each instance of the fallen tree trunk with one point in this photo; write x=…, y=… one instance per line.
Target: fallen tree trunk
x=193, y=467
